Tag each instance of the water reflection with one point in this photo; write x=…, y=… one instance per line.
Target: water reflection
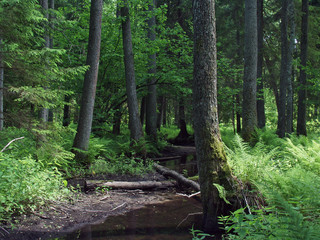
x=155, y=222
x=187, y=165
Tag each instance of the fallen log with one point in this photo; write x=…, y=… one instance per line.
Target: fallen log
x=178, y=177
x=166, y=158
x=92, y=184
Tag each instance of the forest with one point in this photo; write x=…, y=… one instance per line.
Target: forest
x=111, y=89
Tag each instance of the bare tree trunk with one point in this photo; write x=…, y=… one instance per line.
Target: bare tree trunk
x=66, y=112
x=281, y=130
x=290, y=74
x=249, y=109
x=260, y=99
x=51, y=17
x=117, y=121
x=142, y=110
x=1, y=86
x=212, y=161
x=183, y=134
x=301, y=122
x=161, y=106
x=82, y=137
x=285, y=115
x=134, y=121
x=44, y=112
x=151, y=101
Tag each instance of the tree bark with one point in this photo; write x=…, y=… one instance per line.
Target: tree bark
x=302, y=94
x=151, y=99
x=66, y=111
x=249, y=109
x=212, y=161
x=1, y=86
x=283, y=84
x=44, y=112
x=51, y=17
x=82, y=137
x=260, y=99
x=134, y=121
x=117, y=121
x=290, y=72
x=142, y=110
x=183, y=134
x=160, y=111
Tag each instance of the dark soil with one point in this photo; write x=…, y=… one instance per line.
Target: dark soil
x=58, y=218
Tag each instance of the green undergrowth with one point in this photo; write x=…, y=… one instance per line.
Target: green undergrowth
x=286, y=172
x=34, y=169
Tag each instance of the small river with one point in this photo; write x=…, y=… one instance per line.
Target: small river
x=166, y=221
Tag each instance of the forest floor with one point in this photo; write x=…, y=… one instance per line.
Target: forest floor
x=92, y=207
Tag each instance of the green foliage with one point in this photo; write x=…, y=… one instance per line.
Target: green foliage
x=121, y=165
x=26, y=186
x=286, y=173
x=199, y=235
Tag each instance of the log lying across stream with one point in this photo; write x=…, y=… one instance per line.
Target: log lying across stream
x=144, y=185
x=178, y=177
x=92, y=184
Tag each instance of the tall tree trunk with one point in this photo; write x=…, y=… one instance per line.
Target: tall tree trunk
x=142, y=110
x=183, y=134
x=249, y=109
x=301, y=122
x=260, y=99
x=134, y=121
x=290, y=72
x=117, y=121
x=66, y=111
x=164, y=112
x=44, y=112
x=212, y=162
x=51, y=17
x=151, y=101
x=161, y=106
x=284, y=74
x=82, y=137
x=1, y=86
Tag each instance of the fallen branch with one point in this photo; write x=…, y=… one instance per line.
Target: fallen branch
x=11, y=142
x=91, y=184
x=190, y=214
x=118, y=207
x=189, y=196
x=178, y=177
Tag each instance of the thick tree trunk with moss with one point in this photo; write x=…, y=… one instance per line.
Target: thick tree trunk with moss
x=301, y=122
x=82, y=137
x=134, y=120
x=249, y=103
x=212, y=161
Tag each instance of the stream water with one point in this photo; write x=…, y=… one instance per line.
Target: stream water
x=166, y=221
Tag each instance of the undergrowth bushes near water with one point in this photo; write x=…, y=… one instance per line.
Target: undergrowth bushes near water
x=286, y=173
x=26, y=186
